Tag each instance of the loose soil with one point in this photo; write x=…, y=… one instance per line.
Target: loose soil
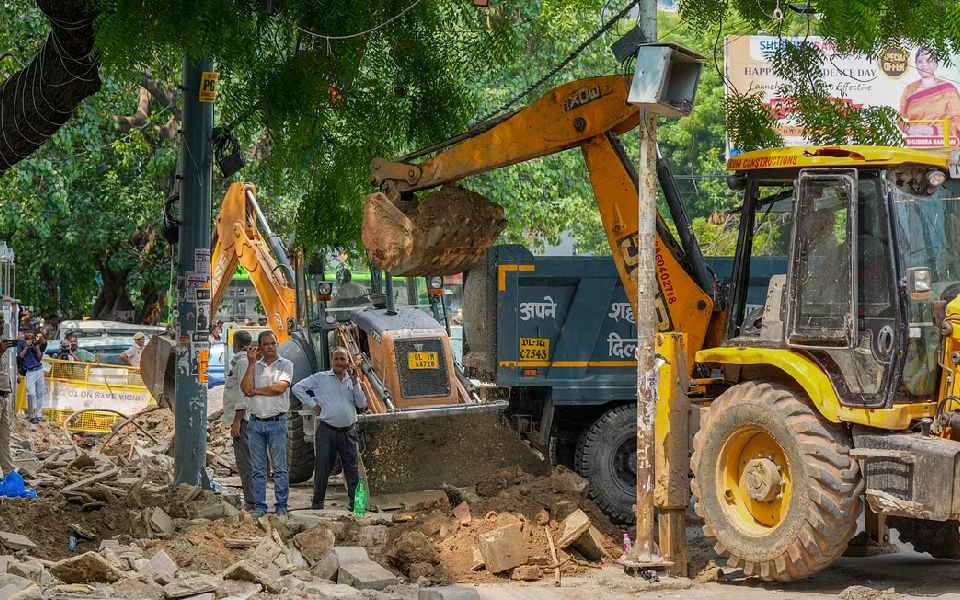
x=201, y=547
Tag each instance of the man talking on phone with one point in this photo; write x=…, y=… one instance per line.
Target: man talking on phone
x=335, y=396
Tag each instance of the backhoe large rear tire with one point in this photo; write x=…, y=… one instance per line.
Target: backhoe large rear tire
x=300, y=455
x=774, y=482
x=607, y=457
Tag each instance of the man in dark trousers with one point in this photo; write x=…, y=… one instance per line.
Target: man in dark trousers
x=335, y=396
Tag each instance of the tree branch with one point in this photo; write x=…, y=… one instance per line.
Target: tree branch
x=40, y=98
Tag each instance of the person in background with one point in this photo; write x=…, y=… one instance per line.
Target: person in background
x=30, y=360
x=70, y=351
x=8, y=378
x=235, y=414
x=335, y=396
x=267, y=387
x=131, y=355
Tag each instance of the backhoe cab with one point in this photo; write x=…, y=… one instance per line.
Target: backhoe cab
x=839, y=386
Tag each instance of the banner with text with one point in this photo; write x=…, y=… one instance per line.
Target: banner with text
x=923, y=91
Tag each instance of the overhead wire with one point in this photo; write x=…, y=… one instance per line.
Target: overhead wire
x=361, y=33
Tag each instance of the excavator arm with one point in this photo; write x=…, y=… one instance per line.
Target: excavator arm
x=237, y=241
x=589, y=114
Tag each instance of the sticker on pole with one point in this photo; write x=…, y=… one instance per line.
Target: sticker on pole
x=208, y=86
x=534, y=348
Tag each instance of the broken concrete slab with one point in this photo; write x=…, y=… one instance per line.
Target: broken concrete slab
x=365, y=575
x=347, y=554
x=324, y=590
x=575, y=525
x=161, y=522
x=189, y=586
x=15, y=541
x=326, y=568
x=247, y=570
x=315, y=543
x=241, y=590
x=160, y=568
x=477, y=560
x=87, y=568
x=448, y=592
x=34, y=592
x=527, y=573
x=502, y=548
x=590, y=544
x=372, y=537
x=30, y=569
x=13, y=583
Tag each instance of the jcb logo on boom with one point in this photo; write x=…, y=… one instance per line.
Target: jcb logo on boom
x=582, y=96
x=630, y=258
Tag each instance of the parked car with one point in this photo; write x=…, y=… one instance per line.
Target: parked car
x=106, y=339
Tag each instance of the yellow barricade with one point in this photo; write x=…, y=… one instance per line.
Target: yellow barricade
x=75, y=386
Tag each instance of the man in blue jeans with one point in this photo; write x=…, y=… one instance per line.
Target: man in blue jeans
x=30, y=359
x=266, y=383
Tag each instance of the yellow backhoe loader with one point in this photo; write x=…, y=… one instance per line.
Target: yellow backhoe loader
x=420, y=408
x=840, y=387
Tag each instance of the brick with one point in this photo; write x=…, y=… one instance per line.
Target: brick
x=30, y=569
x=365, y=575
x=575, y=525
x=449, y=592
x=590, y=544
x=502, y=549
x=462, y=513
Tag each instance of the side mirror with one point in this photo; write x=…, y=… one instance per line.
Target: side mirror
x=919, y=282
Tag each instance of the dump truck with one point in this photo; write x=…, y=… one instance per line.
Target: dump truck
x=841, y=393
x=420, y=404
x=568, y=319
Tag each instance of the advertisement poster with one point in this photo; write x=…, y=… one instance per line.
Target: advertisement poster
x=923, y=91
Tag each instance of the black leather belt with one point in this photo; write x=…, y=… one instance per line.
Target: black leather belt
x=273, y=418
x=340, y=429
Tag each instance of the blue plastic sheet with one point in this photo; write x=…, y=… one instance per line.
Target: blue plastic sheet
x=12, y=486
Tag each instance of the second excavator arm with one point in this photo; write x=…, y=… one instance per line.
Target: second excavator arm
x=237, y=241
x=589, y=114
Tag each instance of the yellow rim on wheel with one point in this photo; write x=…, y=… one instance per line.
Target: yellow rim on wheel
x=754, y=481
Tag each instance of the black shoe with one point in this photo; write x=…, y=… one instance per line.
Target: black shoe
x=320, y=507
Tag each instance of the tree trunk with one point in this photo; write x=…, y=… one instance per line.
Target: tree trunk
x=36, y=101
x=113, y=302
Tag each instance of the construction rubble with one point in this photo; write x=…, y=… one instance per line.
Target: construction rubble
x=108, y=524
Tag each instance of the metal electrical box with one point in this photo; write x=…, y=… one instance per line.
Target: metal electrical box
x=665, y=79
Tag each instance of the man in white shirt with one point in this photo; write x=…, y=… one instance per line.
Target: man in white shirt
x=267, y=389
x=235, y=414
x=335, y=396
x=131, y=355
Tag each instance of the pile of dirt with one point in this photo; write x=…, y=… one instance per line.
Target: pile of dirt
x=150, y=428
x=203, y=548
x=47, y=521
x=443, y=545
x=39, y=437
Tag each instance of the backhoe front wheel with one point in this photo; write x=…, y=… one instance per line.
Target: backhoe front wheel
x=774, y=482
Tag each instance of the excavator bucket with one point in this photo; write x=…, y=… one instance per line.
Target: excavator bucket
x=446, y=232
x=157, y=370
x=427, y=448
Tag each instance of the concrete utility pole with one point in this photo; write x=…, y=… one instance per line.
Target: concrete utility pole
x=644, y=552
x=193, y=273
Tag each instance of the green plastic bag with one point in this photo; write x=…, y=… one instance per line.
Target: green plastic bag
x=360, y=499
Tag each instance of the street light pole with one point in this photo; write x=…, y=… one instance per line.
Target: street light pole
x=193, y=273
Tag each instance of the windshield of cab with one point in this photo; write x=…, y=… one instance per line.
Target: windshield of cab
x=928, y=236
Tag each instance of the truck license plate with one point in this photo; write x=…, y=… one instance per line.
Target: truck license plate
x=423, y=360
x=534, y=348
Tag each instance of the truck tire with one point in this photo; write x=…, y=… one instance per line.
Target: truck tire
x=607, y=457
x=939, y=539
x=299, y=452
x=774, y=482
